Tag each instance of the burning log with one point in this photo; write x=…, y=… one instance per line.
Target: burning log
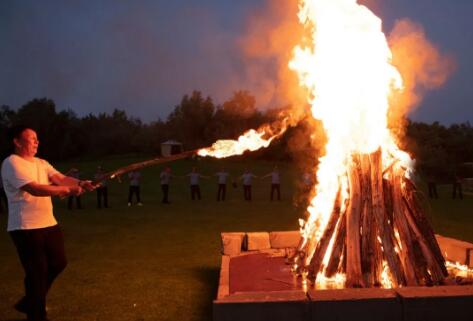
x=386, y=232
x=382, y=235
x=354, y=273
x=338, y=249
x=371, y=254
x=413, y=205
x=322, y=245
x=403, y=234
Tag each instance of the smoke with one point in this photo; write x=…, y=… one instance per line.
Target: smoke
x=272, y=31
x=422, y=66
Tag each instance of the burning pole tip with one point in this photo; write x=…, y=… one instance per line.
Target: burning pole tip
x=251, y=140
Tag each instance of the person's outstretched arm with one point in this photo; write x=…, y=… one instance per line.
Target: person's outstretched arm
x=39, y=190
x=63, y=180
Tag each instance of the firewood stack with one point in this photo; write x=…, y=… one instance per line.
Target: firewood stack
x=382, y=224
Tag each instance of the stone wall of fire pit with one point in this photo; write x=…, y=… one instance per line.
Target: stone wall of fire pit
x=256, y=284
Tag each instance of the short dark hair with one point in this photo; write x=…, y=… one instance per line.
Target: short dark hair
x=15, y=132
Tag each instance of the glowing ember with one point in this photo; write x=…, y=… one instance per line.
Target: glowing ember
x=457, y=269
x=386, y=277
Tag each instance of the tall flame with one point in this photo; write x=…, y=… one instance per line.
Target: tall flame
x=348, y=71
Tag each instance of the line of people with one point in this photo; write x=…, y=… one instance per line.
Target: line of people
x=223, y=178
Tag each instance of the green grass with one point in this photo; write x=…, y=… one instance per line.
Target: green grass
x=161, y=262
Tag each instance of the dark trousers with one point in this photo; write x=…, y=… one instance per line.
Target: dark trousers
x=70, y=200
x=222, y=191
x=102, y=193
x=136, y=191
x=3, y=199
x=275, y=187
x=195, y=192
x=457, y=187
x=165, y=189
x=433, y=190
x=247, y=192
x=41, y=252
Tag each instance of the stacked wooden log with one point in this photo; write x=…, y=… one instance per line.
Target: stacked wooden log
x=382, y=224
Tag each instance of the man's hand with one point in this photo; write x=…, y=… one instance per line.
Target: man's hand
x=87, y=185
x=75, y=190
x=65, y=191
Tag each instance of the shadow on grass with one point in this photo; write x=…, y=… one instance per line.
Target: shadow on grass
x=208, y=276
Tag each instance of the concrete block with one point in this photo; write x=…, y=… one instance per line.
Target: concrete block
x=232, y=243
x=257, y=241
x=438, y=303
x=263, y=306
x=285, y=239
x=456, y=250
x=274, y=252
x=224, y=280
x=371, y=304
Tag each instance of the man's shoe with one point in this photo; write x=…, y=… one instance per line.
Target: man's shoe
x=140, y=204
x=129, y=204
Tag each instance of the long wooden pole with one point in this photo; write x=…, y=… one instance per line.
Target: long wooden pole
x=140, y=165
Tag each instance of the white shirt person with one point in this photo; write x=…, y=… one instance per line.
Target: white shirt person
x=29, y=183
x=275, y=183
x=194, y=183
x=222, y=178
x=247, y=179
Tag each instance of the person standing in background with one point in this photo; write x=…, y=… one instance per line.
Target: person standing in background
x=134, y=177
x=247, y=179
x=165, y=178
x=222, y=178
x=102, y=189
x=194, y=183
x=275, y=183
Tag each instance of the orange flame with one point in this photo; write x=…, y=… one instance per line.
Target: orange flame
x=251, y=140
x=349, y=74
x=458, y=269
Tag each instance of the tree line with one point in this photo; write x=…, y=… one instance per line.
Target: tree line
x=197, y=122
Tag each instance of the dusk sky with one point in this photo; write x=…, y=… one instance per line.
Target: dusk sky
x=143, y=56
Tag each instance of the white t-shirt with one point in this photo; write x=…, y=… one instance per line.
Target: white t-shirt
x=134, y=178
x=165, y=177
x=275, y=178
x=194, y=178
x=247, y=177
x=222, y=177
x=26, y=211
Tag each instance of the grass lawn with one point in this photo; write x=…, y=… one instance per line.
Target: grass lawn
x=161, y=262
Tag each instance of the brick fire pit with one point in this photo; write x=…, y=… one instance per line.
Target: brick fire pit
x=256, y=283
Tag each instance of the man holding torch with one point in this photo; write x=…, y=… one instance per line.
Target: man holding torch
x=29, y=183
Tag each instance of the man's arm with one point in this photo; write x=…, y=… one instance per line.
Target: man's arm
x=36, y=189
x=63, y=180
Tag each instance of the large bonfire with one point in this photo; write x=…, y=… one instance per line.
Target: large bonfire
x=365, y=221
x=366, y=226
